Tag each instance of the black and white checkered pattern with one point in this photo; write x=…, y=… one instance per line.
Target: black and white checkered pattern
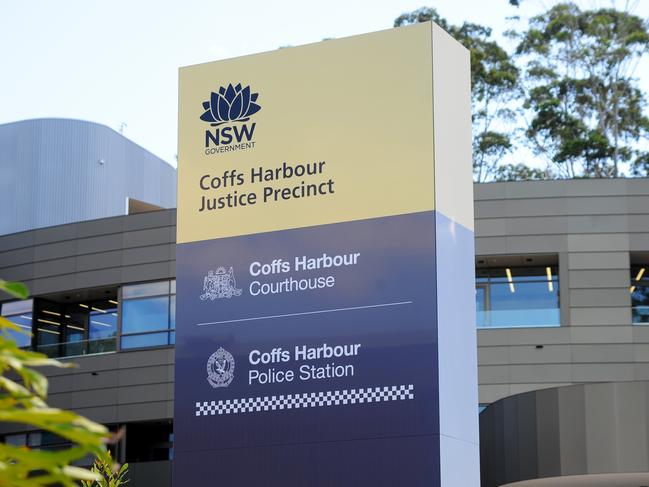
x=306, y=400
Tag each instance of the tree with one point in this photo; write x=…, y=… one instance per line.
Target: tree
x=494, y=79
x=22, y=400
x=520, y=172
x=585, y=108
x=108, y=475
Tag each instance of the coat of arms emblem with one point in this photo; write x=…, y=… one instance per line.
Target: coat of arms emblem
x=220, y=368
x=220, y=284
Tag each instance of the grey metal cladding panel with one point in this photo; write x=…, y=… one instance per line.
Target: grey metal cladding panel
x=549, y=354
x=528, y=448
x=47, y=285
x=604, y=297
x=152, y=236
x=101, y=380
x=601, y=334
x=144, y=411
x=493, y=374
x=599, y=278
x=637, y=204
x=55, y=250
x=101, y=226
x=144, y=393
x=147, y=272
x=641, y=352
x=603, y=372
x=105, y=277
x=102, y=243
x=490, y=245
x=547, y=427
x=598, y=242
x=101, y=414
x=153, y=219
x=600, y=316
x=540, y=373
x=18, y=273
x=601, y=447
x=16, y=256
x=489, y=209
x=146, y=358
x=151, y=253
x=632, y=407
x=511, y=438
x=554, y=207
x=639, y=223
x=530, y=244
x=572, y=430
x=602, y=353
x=16, y=240
x=492, y=227
x=159, y=374
x=639, y=242
x=54, y=267
x=598, y=260
x=79, y=399
x=493, y=356
x=101, y=260
x=567, y=224
x=56, y=233
x=523, y=336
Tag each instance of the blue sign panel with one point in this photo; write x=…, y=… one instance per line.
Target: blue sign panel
x=304, y=337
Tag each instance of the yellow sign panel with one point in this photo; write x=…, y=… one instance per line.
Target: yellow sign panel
x=336, y=131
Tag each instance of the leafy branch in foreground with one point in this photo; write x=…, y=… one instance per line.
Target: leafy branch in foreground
x=108, y=476
x=23, y=391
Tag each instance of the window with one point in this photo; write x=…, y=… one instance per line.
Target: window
x=639, y=294
x=517, y=296
x=20, y=313
x=149, y=442
x=148, y=315
x=87, y=326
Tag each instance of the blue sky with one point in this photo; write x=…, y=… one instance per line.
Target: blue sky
x=116, y=61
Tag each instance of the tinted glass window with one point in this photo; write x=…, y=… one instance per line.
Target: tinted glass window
x=149, y=314
x=517, y=297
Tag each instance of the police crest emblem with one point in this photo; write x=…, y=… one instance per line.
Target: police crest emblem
x=220, y=368
x=220, y=284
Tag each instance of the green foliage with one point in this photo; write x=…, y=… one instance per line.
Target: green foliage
x=520, y=172
x=586, y=109
x=22, y=400
x=15, y=289
x=494, y=80
x=108, y=476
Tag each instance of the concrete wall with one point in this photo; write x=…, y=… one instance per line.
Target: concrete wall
x=593, y=226
x=55, y=171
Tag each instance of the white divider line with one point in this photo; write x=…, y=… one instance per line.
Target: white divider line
x=333, y=310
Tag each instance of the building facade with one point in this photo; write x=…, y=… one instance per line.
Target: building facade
x=56, y=171
x=563, y=345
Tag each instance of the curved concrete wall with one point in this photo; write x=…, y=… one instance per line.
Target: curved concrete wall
x=55, y=171
x=574, y=430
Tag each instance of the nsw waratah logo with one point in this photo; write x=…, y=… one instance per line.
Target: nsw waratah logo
x=231, y=104
x=225, y=107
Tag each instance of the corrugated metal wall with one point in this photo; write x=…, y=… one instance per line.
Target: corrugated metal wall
x=50, y=174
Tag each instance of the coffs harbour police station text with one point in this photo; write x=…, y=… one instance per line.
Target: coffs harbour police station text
x=222, y=192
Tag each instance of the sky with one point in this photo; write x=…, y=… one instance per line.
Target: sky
x=116, y=62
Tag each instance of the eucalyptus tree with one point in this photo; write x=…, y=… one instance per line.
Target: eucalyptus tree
x=585, y=109
x=494, y=80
